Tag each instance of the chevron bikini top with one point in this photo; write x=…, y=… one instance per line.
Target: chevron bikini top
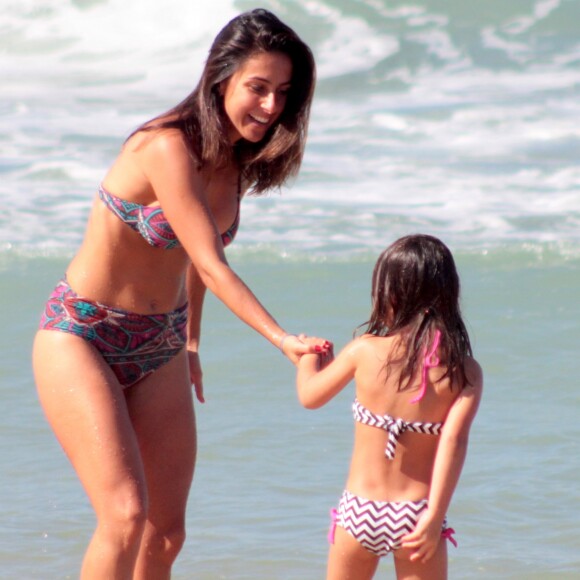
x=395, y=427
x=151, y=223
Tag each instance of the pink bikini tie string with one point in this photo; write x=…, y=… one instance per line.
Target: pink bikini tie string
x=447, y=534
x=333, y=518
x=430, y=361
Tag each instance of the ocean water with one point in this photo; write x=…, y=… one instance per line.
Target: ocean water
x=455, y=118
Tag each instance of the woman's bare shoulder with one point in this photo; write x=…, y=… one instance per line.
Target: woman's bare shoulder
x=158, y=141
x=166, y=159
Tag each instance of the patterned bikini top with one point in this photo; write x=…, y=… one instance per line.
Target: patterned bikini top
x=395, y=427
x=151, y=223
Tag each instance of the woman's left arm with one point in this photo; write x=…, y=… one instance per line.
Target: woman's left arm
x=180, y=190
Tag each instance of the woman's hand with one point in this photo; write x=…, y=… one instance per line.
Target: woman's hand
x=295, y=346
x=196, y=374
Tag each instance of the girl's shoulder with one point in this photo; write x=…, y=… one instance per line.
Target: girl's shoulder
x=473, y=373
x=369, y=345
x=373, y=341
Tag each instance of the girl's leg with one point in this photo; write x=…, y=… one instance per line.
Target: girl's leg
x=86, y=408
x=434, y=569
x=161, y=409
x=348, y=559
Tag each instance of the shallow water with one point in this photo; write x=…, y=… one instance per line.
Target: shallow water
x=268, y=470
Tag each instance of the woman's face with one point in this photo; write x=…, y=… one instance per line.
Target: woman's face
x=255, y=95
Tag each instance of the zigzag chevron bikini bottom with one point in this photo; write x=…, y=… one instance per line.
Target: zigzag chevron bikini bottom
x=379, y=525
x=133, y=345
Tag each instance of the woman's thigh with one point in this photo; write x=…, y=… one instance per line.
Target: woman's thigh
x=162, y=414
x=85, y=406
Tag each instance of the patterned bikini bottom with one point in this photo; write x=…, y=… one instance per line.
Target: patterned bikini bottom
x=133, y=345
x=379, y=525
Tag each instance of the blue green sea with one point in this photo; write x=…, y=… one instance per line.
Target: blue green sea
x=449, y=117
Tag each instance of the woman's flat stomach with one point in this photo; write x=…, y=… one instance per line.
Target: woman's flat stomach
x=144, y=286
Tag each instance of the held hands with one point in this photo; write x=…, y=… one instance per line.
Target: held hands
x=291, y=345
x=195, y=374
x=294, y=347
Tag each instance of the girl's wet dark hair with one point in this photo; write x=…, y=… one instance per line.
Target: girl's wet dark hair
x=201, y=115
x=415, y=291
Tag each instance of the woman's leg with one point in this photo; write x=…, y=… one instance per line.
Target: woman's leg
x=86, y=408
x=348, y=559
x=434, y=569
x=161, y=409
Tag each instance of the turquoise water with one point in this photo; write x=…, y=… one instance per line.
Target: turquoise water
x=453, y=118
x=268, y=470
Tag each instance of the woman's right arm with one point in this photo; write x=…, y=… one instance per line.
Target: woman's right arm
x=195, y=297
x=179, y=188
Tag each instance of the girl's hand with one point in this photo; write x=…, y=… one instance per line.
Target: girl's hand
x=296, y=346
x=326, y=357
x=322, y=347
x=423, y=540
x=196, y=374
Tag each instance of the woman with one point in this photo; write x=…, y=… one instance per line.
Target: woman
x=115, y=380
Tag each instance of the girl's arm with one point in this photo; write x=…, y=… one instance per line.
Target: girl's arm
x=449, y=460
x=179, y=188
x=195, y=297
x=318, y=381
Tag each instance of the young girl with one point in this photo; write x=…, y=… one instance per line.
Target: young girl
x=417, y=391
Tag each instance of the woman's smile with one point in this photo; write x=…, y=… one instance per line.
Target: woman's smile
x=255, y=95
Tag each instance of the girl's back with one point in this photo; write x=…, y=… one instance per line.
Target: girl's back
x=407, y=475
